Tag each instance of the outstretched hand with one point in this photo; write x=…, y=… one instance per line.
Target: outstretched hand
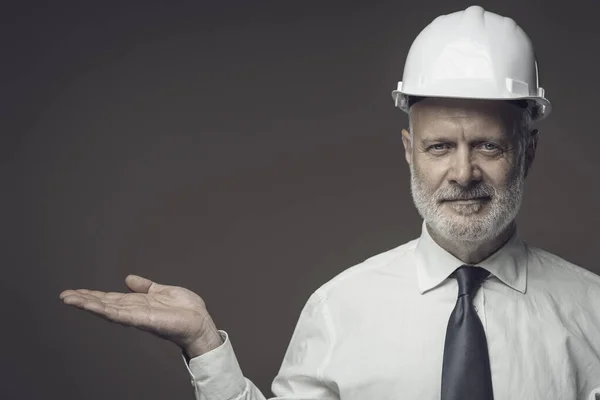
x=169, y=312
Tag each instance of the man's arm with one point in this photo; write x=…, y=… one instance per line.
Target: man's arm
x=177, y=314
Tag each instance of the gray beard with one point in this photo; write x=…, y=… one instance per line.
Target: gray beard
x=469, y=226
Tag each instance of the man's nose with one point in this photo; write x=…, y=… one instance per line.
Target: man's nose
x=464, y=170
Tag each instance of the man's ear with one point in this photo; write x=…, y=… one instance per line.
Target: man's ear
x=407, y=141
x=531, y=150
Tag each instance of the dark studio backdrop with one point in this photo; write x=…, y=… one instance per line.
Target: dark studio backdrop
x=248, y=151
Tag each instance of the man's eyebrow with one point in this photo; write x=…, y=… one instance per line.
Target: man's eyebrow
x=481, y=138
x=436, y=139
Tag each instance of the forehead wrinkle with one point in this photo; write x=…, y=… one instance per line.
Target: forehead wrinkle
x=492, y=122
x=463, y=108
x=444, y=125
x=440, y=115
x=436, y=114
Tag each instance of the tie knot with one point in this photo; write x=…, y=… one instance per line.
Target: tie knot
x=469, y=279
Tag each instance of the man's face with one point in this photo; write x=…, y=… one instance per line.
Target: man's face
x=467, y=171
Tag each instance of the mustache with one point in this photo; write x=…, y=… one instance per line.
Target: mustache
x=451, y=193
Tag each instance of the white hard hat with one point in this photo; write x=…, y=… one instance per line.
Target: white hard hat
x=473, y=54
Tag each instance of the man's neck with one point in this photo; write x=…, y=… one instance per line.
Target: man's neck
x=473, y=252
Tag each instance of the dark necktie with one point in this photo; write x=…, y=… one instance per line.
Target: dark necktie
x=466, y=368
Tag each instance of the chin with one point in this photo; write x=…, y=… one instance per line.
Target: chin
x=472, y=228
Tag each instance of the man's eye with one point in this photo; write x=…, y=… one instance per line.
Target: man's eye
x=438, y=146
x=490, y=147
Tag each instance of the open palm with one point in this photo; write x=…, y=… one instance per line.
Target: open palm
x=170, y=312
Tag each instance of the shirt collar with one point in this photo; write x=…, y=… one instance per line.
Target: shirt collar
x=434, y=264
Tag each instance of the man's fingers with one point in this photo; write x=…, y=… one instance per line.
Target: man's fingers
x=94, y=306
x=92, y=294
x=73, y=299
x=137, y=284
x=123, y=314
x=113, y=299
x=81, y=292
x=103, y=295
x=69, y=292
x=64, y=294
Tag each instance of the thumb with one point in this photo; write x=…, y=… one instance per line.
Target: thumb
x=138, y=283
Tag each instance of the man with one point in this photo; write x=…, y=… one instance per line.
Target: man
x=466, y=311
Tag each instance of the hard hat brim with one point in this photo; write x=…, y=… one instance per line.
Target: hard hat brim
x=542, y=105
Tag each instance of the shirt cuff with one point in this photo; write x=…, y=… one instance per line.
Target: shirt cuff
x=216, y=375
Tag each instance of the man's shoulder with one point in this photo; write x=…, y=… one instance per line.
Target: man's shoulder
x=563, y=270
x=360, y=273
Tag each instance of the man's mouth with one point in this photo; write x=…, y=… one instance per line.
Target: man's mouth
x=468, y=199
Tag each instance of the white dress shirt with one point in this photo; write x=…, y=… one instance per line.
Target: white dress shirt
x=376, y=331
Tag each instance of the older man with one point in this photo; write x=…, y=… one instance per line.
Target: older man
x=466, y=311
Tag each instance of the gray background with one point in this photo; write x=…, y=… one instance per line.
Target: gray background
x=248, y=151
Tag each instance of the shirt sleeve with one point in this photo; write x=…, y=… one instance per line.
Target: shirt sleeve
x=217, y=375
x=301, y=375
